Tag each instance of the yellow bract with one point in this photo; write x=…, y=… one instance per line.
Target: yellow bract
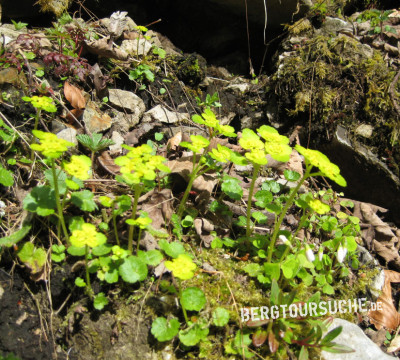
x=87, y=235
x=50, y=145
x=318, y=206
x=139, y=164
x=79, y=166
x=182, y=267
x=321, y=161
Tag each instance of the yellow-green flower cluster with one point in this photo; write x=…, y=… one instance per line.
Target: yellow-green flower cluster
x=41, y=103
x=142, y=222
x=318, y=206
x=50, y=145
x=209, y=119
x=251, y=141
x=87, y=235
x=139, y=164
x=275, y=144
x=321, y=161
x=221, y=153
x=182, y=267
x=198, y=143
x=79, y=166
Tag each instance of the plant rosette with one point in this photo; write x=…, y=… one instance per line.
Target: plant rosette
x=87, y=236
x=182, y=267
x=41, y=103
x=79, y=167
x=51, y=146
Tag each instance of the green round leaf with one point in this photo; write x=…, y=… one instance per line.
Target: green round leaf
x=133, y=270
x=193, y=298
x=100, y=301
x=192, y=336
x=164, y=330
x=80, y=282
x=151, y=257
x=220, y=316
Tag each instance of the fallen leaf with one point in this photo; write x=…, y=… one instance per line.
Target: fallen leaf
x=102, y=47
x=382, y=229
x=388, y=316
x=74, y=96
x=159, y=207
x=173, y=142
x=388, y=251
x=107, y=162
x=203, y=228
x=394, y=344
x=99, y=81
x=73, y=114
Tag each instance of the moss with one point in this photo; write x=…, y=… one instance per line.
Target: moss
x=338, y=80
x=57, y=7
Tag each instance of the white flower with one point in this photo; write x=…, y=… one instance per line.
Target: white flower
x=285, y=240
x=320, y=253
x=341, y=253
x=309, y=254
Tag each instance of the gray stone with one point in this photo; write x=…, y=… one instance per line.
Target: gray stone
x=161, y=114
x=7, y=31
x=334, y=25
x=239, y=88
x=124, y=122
x=68, y=134
x=118, y=140
x=94, y=120
x=364, y=130
x=126, y=100
x=354, y=337
x=377, y=284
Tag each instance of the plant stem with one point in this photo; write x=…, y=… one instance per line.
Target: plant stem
x=35, y=128
x=114, y=220
x=88, y=286
x=138, y=240
x=256, y=169
x=58, y=201
x=193, y=177
x=183, y=308
x=282, y=215
x=138, y=190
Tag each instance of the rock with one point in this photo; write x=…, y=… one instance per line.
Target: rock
x=238, y=87
x=94, y=120
x=118, y=140
x=128, y=101
x=123, y=122
x=368, y=178
x=364, y=130
x=8, y=34
x=355, y=338
x=161, y=114
x=68, y=134
x=377, y=284
x=135, y=47
x=335, y=25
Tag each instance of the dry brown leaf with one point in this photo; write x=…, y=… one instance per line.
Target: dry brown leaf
x=159, y=207
x=132, y=138
x=99, y=81
x=174, y=142
x=77, y=113
x=74, y=96
x=394, y=344
x=203, y=228
x=295, y=163
x=107, y=162
x=103, y=47
x=382, y=229
x=388, y=251
x=388, y=316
